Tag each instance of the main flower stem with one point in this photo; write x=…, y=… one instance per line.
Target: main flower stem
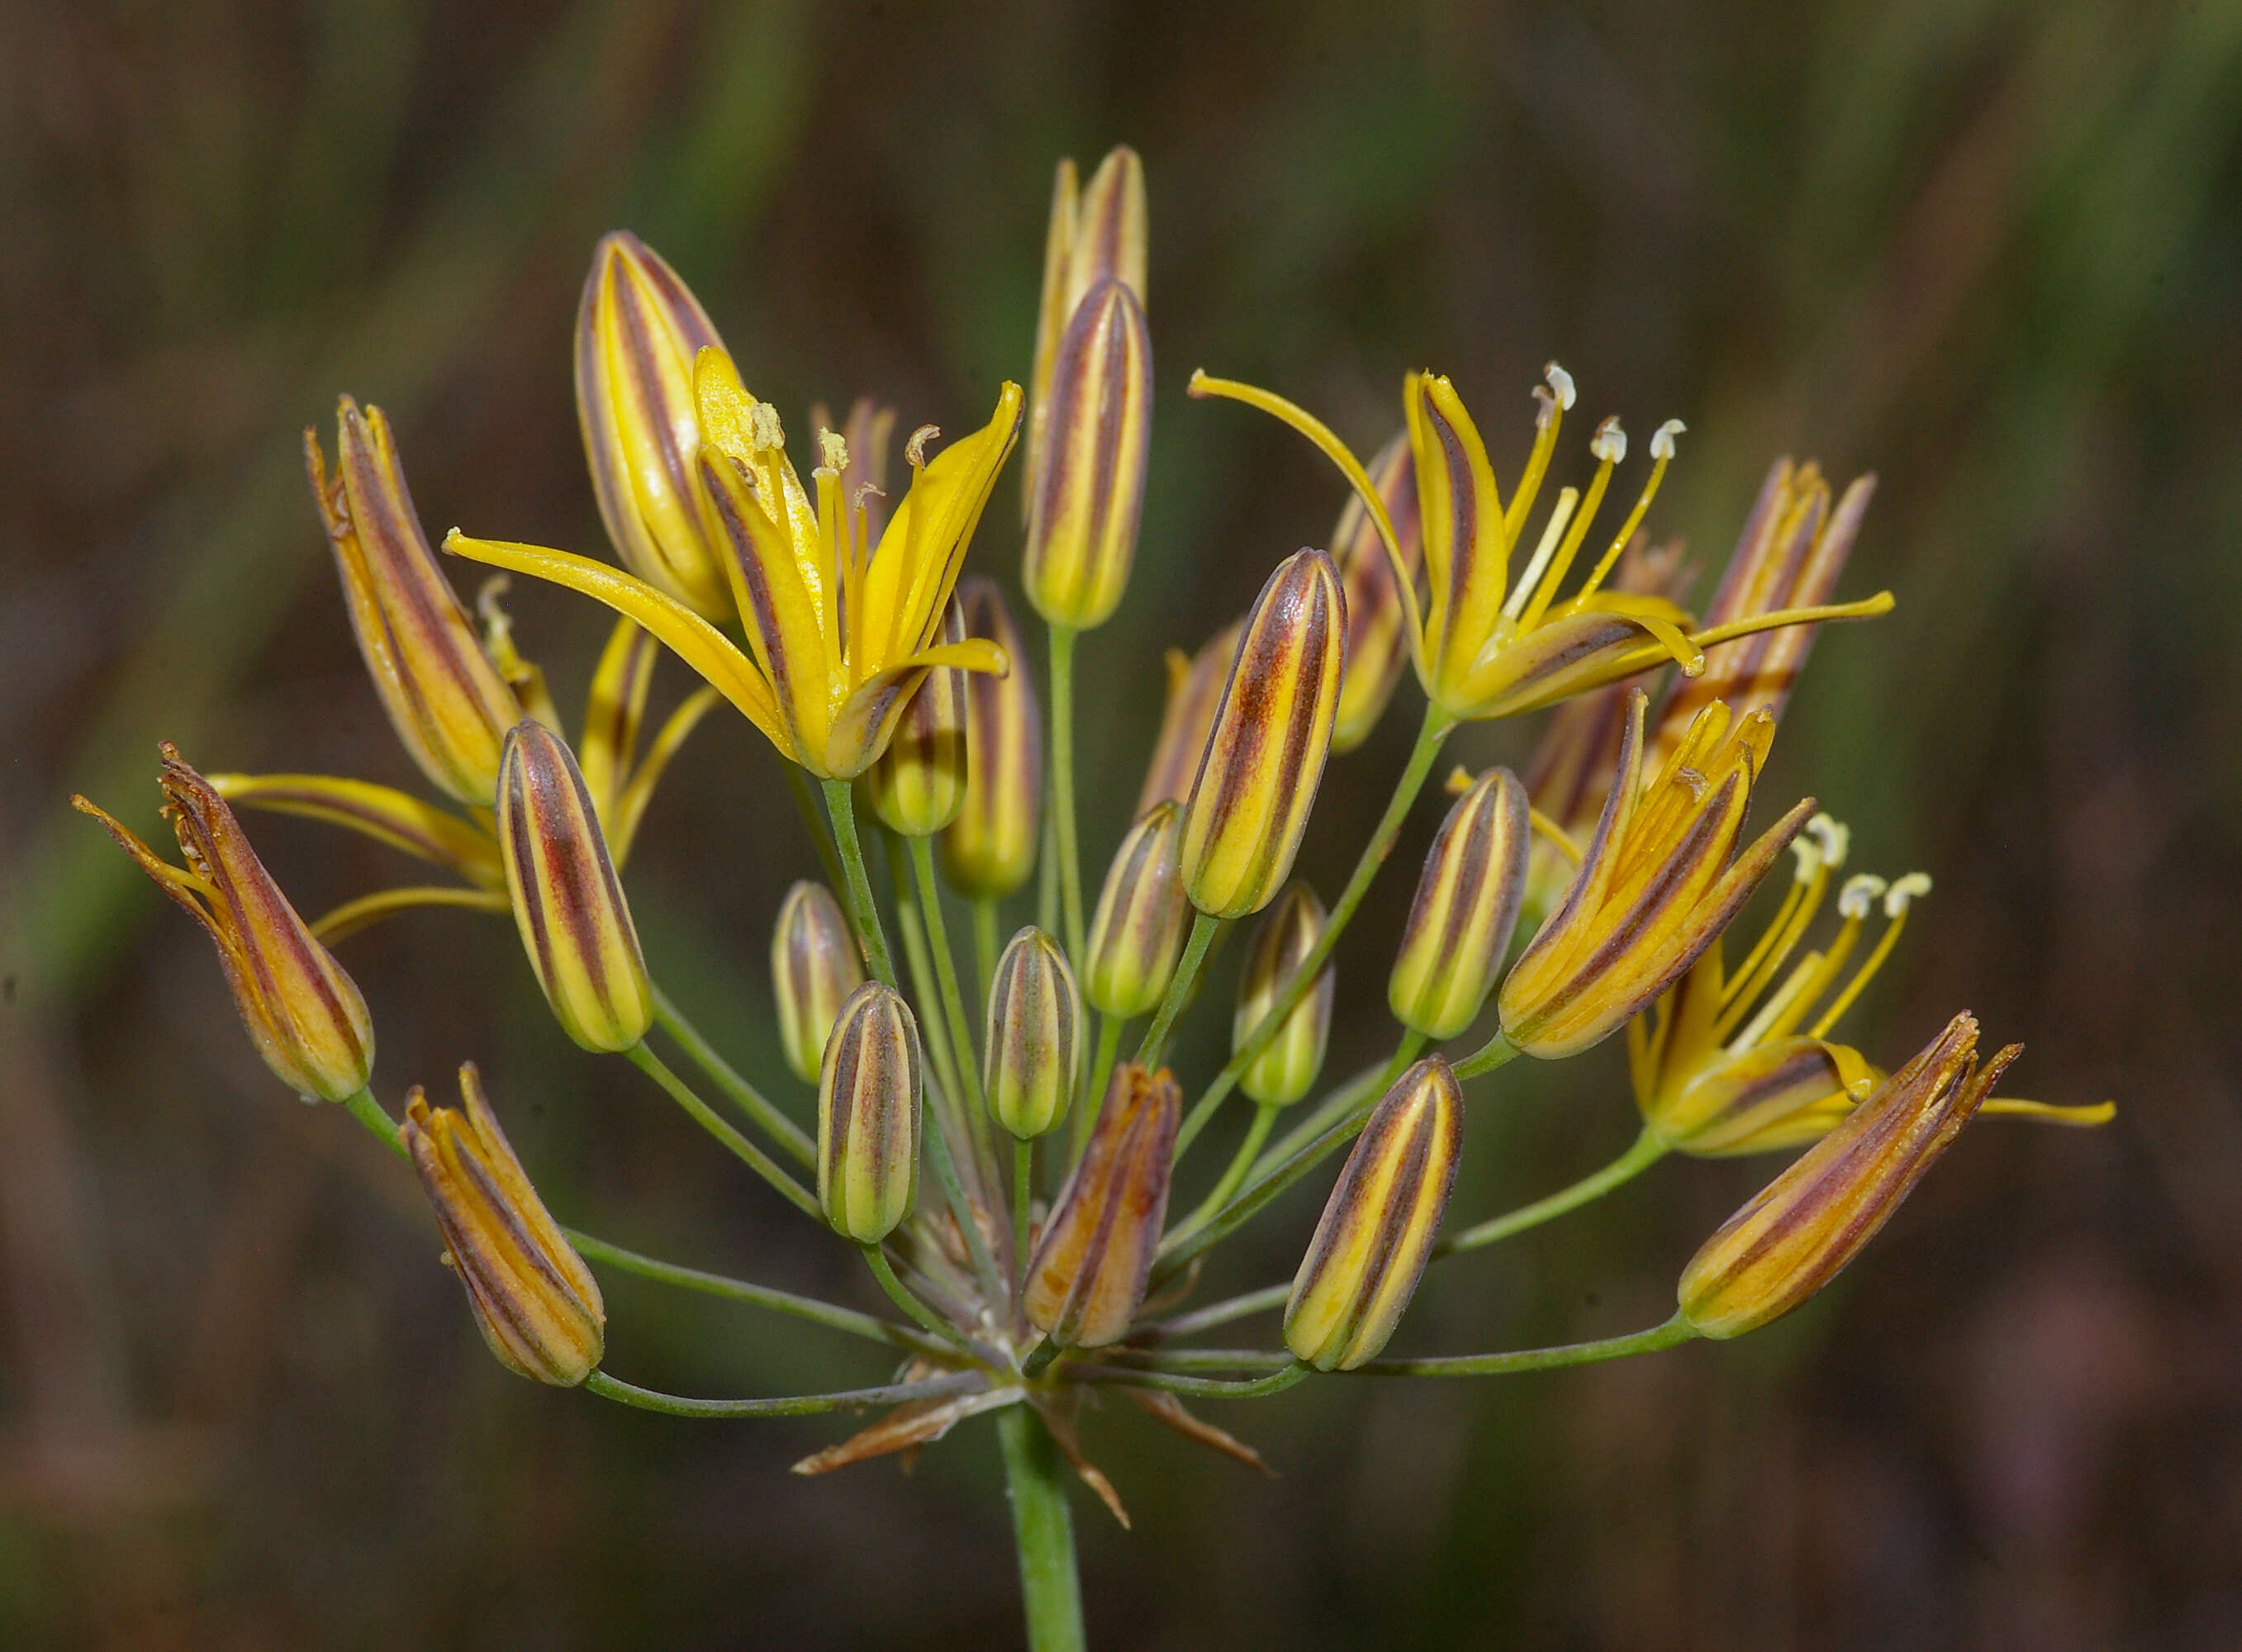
x=1648, y=1151
x=1203, y=931
x=1062, y=753
x=1042, y=1529
x=1430, y=736
x=750, y=1100
x=707, y=1116
x=840, y=804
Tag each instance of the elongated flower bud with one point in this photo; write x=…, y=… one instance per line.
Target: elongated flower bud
x=1138, y=932
x=1086, y=1278
x=1264, y=755
x=447, y=702
x=568, y=902
x=302, y=1012
x=989, y=850
x=1097, y=233
x=1660, y=881
x=1288, y=1064
x=814, y=966
x=1082, y=524
x=1195, y=686
x=868, y=1115
x=1799, y=1232
x=1034, y=1040
x=638, y=330
x=1467, y=896
x=918, y=782
x=1376, y=623
x=1376, y=1235
x=536, y=1304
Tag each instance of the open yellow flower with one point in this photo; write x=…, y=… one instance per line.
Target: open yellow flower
x=840, y=630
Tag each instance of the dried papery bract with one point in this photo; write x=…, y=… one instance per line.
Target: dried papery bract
x=302, y=1012
x=1271, y=734
x=1033, y=1040
x=1195, y=685
x=568, y=902
x=1377, y=1231
x=868, y=1113
x=1087, y=1277
x=1286, y=1067
x=814, y=966
x=1467, y=896
x=989, y=848
x=1138, y=932
x=536, y=1304
x=1377, y=622
x=918, y=782
x=1799, y=1232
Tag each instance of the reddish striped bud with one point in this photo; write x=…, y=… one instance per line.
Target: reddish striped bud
x=1033, y=1036
x=1194, y=690
x=1138, y=932
x=918, y=783
x=1082, y=522
x=1377, y=621
x=1097, y=234
x=814, y=966
x=1288, y=1064
x=869, y=1099
x=989, y=848
x=1467, y=896
x=1086, y=1278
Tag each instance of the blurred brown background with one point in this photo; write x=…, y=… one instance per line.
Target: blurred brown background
x=1988, y=248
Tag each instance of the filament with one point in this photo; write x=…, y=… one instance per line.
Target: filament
x=1662, y=452
x=1609, y=448
x=1558, y=518
x=1554, y=398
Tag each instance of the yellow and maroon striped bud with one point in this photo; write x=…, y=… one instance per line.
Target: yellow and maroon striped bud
x=1138, y=932
x=1097, y=234
x=1264, y=755
x=1659, y=881
x=918, y=782
x=1376, y=623
x=1376, y=1235
x=302, y=1012
x=1082, y=521
x=989, y=848
x=536, y=1304
x=1804, y=1226
x=638, y=330
x=1086, y=1278
x=869, y=1099
x=446, y=700
x=568, y=902
x=1467, y=897
x=1288, y=1064
x=1194, y=690
x=1033, y=1036
x=814, y=966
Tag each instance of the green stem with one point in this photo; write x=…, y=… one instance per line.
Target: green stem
x=1200, y=1387
x=985, y=945
x=1023, y=1187
x=1042, y=1529
x=1180, y=984
x=945, y=971
x=1101, y=1073
x=1062, y=751
x=1347, y=1100
x=749, y=1100
x=1674, y=1332
x=884, y=1272
x=1430, y=736
x=841, y=805
x=371, y=1113
x=1236, y=1308
x=1240, y=1162
x=1047, y=918
x=945, y=1167
x=707, y=1116
x=797, y=782
x=1648, y=1151
x=935, y=1029
x=1497, y=1052
x=1204, y=1360
x=804, y=1405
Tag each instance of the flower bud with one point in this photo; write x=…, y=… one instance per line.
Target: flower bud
x=1095, y=234
x=447, y=702
x=1264, y=755
x=868, y=1115
x=1783, y=1093
x=1459, y=929
x=1034, y=1040
x=814, y=966
x=1376, y=1235
x=918, y=782
x=568, y=903
x=1194, y=690
x=536, y=1304
x=1082, y=516
x=1288, y=1064
x=1654, y=889
x=989, y=848
x=1376, y=623
x=638, y=330
x=1800, y=1230
x=1086, y=1278
x=1138, y=932
x=303, y=1013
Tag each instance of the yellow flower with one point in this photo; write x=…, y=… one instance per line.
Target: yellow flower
x=1486, y=645
x=1377, y=632
x=841, y=631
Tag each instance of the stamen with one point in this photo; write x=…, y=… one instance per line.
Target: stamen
x=1809, y=857
x=1775, y=943
x=765, y=434
x=1661, y=454
x=1558, y=518
x=1562, y=383
x=1896, y=900
x=1906, y=890
x=1859, y=894
x=915, y=449
x=1557, y=836
x=1794, y=987
x=1547, y=417
x=1835, y=836
x=835, y=448
x=1602, y=447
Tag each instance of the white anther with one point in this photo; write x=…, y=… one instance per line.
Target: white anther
x=1562, y=382
x=1835, y=836
x=1661, y=440
x=1610, y=442
x=868, y=490
x=764, y=430
x=1907, y=888
x=1859, y=894
x=834, y=448
x=1545, y=407
x=915, y=449
x=1809, y=857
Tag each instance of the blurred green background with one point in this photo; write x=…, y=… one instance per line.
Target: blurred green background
x=1988, y=248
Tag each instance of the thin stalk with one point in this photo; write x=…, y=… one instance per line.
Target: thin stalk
x=1043, y=1530
x=1100, y=1074
x=1648, y=1151
x=1346, y=1100
x=1430, y=736
x=934, y=1030
x=1214, y=1313
x=884, y=1272
x=945, y=970
x=832, y=1315
x=985, y=946
x=375, y=1117
x=749, y=1100
x=1023, y=1187
x=803, y=1405
x=1497, y=1052
x=1200, y=1387
x=707, y=1116
x=841, y=805
x=1240, y=1162
x=1047, y=918
x=1674, y=1333
x=797, y=782
x=945, y=1167
x=1062, y=768
x=1180, y=985
x=1204, y=1360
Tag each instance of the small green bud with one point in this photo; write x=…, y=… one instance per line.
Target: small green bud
x=1288, y=1064
x=868, y=1097
x=1034, y=1040
x=814, y=967
x=1138, y=932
